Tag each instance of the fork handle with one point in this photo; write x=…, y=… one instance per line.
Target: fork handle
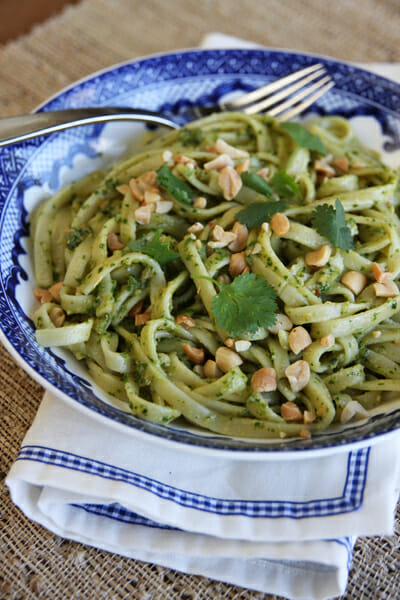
x=24, y=127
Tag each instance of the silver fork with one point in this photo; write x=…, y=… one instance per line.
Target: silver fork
x=283, y=99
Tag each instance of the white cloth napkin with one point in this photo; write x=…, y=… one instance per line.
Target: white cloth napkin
x=284, y=527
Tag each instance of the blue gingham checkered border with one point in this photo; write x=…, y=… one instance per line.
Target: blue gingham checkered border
x=350, y=499
x=119, y=513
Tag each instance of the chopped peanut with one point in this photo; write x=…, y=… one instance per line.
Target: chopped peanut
x=230, y=182
x=163, y=206
x=309, y=417
x=280, y=224
x=196, y=355
x=220, y=234
x=355, y=281
x=242, y=345
x=143, y=214
x=298, y=374
x=376, y=334
x=256, y=249
x=324, y=168
x=386, y=290
x=142, y=318
x=148, y=179
x=282, y=322
x=217, y=164
x=305, y=434
x=223, y=147
x=243, y=166
x=136, y=309
x=151, y=197
x=291, y=412
x=55, y=290
x=137, y=191
x=353, y=409
x=265, y=227
x=113, y=242
x=57, y=316
x=185, y=160
x=200, y=202
x=211, y=371
x=123, y=188
x=264, y=380
x=196, y=228
x=341, y=163
x=264, y=173
x=318, y=258
x=227, y=359
x=380, y=275
x=222, y=238
x=229, y=342
x=237, y=264
x=146, y=182
x=166, y=156
x=42, y=295
x=185, y=321
x=241, y=234
x=327, y=340
x=299, y=339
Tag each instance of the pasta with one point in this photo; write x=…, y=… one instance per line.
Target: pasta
x=238, y=274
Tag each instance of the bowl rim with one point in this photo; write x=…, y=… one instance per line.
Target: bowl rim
x=204, y=443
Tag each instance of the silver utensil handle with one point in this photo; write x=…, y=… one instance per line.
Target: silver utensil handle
x=17, y=129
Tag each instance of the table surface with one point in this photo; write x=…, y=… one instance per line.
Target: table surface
x=86, y=37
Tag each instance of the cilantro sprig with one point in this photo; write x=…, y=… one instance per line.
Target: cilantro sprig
x=331, y=223
x=155, y=248
x=303, y=138
x=244, y=305
x=257, y=213
x=282, y=185
x=179, y=189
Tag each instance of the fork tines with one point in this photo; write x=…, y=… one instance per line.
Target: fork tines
x=288, y=96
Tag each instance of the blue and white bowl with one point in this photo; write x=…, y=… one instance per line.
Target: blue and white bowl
x=32, y=170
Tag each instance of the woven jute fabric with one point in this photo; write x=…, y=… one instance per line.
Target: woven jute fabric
x=90, y=36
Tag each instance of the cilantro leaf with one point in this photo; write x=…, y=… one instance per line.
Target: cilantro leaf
x=331, y=223
x=285, y=186
x=178, y=188
x=257, y=183
x=245, y=305
x=304, y=138
x=155, y=248
x=259, y=212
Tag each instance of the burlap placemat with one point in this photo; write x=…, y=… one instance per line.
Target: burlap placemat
x=87, y=37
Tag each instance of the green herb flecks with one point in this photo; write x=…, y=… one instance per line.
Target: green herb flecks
x=190, y=136
x=76, y=236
